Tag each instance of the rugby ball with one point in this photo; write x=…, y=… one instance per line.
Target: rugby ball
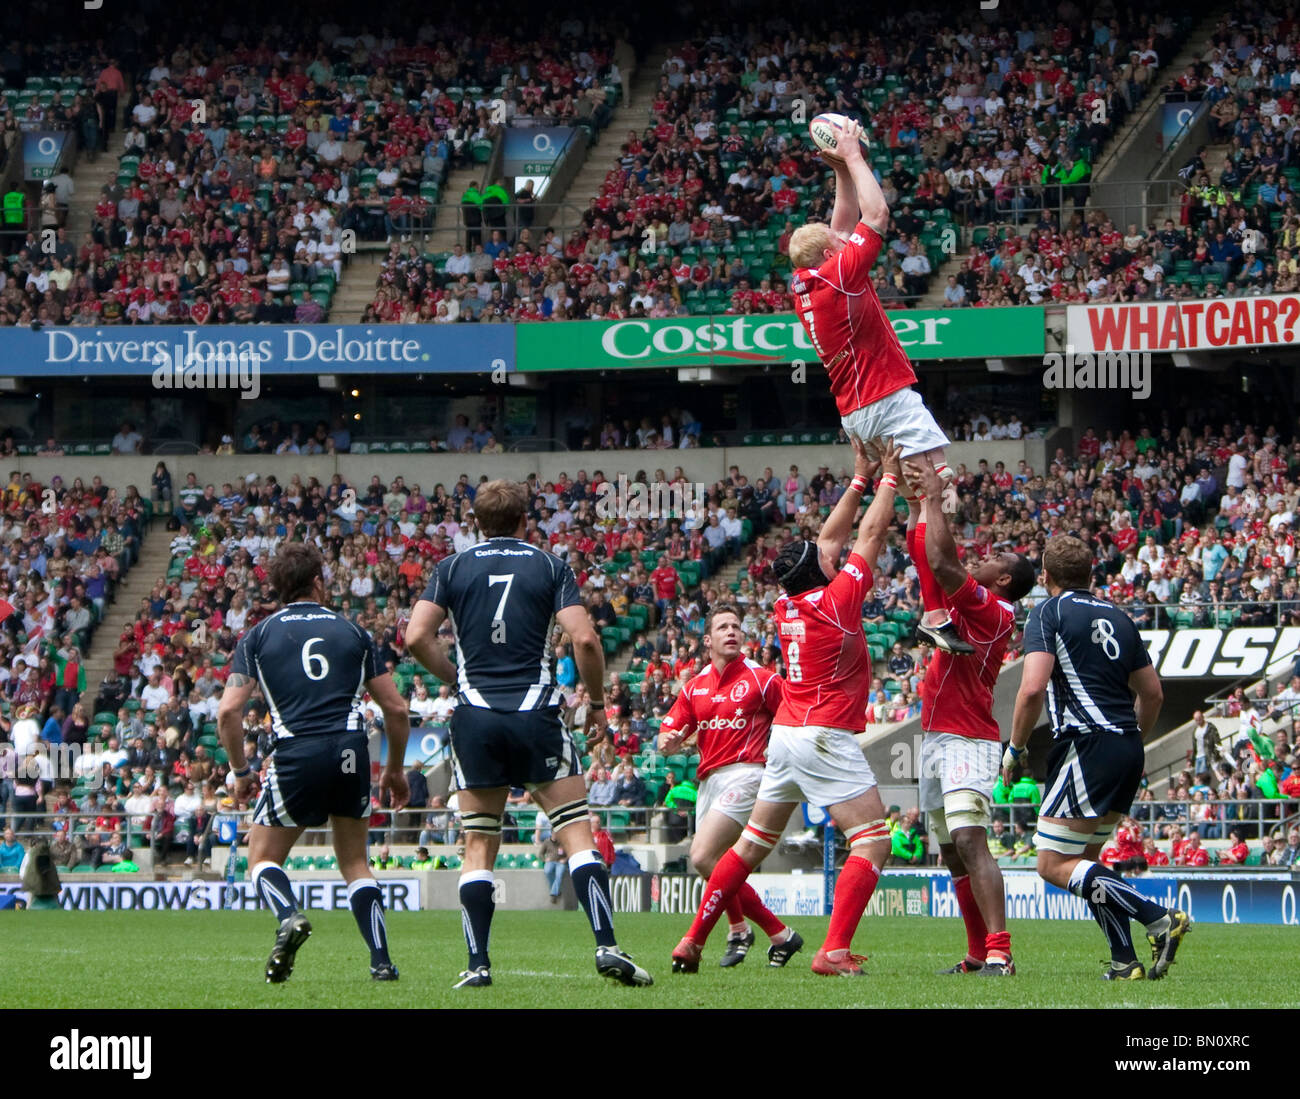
x=825, y=130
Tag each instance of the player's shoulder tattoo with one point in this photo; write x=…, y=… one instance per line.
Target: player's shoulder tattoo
x=238, y=679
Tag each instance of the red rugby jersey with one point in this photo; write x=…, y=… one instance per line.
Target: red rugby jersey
x=827, y=663
x=848, y=327
x=957, y=692
x=729, y=711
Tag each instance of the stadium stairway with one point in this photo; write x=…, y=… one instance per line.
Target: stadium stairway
x=144, y=574
x=636, y=116
x=88, y=178
x=356, y=289
x=1197, y=44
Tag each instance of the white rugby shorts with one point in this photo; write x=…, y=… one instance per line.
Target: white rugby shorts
x=731, y=790
x=816, y=764
x=950, y=762
x=901, y=416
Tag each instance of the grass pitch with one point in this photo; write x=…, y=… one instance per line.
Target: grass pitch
x=544, y=960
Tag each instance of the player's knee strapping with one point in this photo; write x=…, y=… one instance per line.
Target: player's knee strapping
x=761, y=836
x=485, y=824
x=873, y=831
x=1056, y=837
x=1103, y=834
x=566, y=814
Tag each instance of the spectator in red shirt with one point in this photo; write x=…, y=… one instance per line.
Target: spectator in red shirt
x=667, y=585
x=1192, y=853
x=603, y=840
x=1237, y=851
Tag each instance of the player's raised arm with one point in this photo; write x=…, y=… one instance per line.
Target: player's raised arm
x=839, y=523
x=590, y=660
x=845, y=214
x=940, y=548
x=422, y=639
x=876, y=522
x=873, y=208
x=397, y=729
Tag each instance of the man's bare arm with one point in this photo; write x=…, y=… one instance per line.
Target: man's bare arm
x=880, y=515
x=839, y=523
x=230, y=717
x=871, y=200
x=422, y=640
x=940, y=547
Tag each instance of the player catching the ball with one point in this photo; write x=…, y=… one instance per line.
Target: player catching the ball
x=870, y=374
x=729, y=707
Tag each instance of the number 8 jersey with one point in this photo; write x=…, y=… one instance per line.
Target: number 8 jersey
x=827, y=663
x=312, y=665
x=1097, y=647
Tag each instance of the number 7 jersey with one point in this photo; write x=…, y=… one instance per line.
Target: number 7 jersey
x=501, y=597
x=312, y=665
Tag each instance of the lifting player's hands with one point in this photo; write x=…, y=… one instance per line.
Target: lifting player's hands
x=866, y=459
x=891, y=457
x=921, y=474
x=394, y=781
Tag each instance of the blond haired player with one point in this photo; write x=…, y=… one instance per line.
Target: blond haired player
x=870, y=374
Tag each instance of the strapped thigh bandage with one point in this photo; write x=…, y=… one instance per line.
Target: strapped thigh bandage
x=873, y=831
x=486, y=824
x=1056, y=837
x=1103, y=834
x=966, y=809
x=563, y=815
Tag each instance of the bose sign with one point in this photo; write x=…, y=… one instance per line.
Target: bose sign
x=1222, y=654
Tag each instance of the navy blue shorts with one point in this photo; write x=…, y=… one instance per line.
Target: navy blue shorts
x=1092, y=775
x=313, y=778
x=492, y=748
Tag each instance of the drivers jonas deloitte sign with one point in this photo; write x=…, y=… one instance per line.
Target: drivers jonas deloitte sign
x=756, y=339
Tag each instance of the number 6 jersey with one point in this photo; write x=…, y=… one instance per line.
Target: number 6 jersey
x=827, y=663
x=312, y=665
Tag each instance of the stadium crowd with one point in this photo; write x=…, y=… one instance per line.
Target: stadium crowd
x=697, y=214
x=243, y=166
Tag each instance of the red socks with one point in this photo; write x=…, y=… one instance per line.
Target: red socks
x=723, y=884
x=931, y=593
x=853, y=891
x=998, y=942
x=977, y=936
x=757, y=911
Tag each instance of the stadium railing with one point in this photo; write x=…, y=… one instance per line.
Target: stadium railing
x=40, y=825
x=401, y=830
x=1256, y=817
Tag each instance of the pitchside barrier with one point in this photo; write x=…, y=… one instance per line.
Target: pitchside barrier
x=1240, y=897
